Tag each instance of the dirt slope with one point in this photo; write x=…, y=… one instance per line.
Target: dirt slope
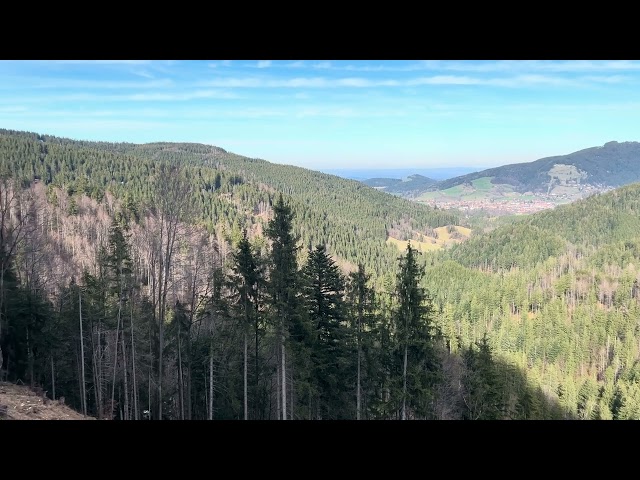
x=22, y=403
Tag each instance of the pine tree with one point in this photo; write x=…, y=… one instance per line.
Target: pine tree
x=361, y=301
x=283, y=286
x=324, y=295
x=413, y=336
x=246, y=280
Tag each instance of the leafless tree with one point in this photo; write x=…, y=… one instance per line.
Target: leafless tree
x=170, y=211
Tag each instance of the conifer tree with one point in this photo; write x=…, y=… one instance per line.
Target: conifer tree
x=361, y=301
x=324, y=295
x=246, y=280
x=413, y=336
x=283, y=286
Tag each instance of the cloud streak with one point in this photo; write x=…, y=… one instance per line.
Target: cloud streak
x=514, y=81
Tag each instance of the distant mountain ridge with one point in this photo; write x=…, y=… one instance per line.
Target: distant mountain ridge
x=411, y=185
x=612, y=165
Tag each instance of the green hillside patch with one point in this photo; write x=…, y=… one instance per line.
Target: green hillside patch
x=444, y=237
x=483, y=183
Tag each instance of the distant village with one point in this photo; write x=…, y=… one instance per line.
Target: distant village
x=516, y=205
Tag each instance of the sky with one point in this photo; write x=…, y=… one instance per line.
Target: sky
x=331, y=114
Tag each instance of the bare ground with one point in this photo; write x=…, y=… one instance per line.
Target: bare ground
x=22, y=403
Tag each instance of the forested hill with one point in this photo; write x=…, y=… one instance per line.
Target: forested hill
x=558, y=294
x=412, y=185
x=584, y=225
x=231, y=191
x=612, y=165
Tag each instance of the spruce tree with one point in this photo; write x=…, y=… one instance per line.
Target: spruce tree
x=324, y=295
x=361, y=302
x=413, y=336
x=246, y=279
x=283, y=286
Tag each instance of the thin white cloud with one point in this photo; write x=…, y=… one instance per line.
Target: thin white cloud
x=505, y=66
x=150, y=97
x=132, y=97
x=323, y=65
x=263, y=63
x=97, y=84
x=222, y=63
x=143, y=73
x=524, y=80
x=98, y=62
x=567, y=66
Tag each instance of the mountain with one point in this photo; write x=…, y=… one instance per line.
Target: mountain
x=558, y=294
x=584, y=225
x=412, y=185
x=612, y=165
x=129, y=287
x=439, y=173
x=231, y=192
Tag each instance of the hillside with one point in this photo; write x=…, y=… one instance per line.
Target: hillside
x=585, y=224
x=612, y=165
x=230, y=192
x=558, y=293
x=410, y=186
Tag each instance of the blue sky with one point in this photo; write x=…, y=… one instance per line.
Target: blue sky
x=327, y=114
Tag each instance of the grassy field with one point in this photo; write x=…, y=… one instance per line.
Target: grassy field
x=480, y=188
x=483, y=183
x=444, y=239
x=421, y=246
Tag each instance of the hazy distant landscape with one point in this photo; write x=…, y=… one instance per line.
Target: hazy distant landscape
x=399, y=173
x=176, y=242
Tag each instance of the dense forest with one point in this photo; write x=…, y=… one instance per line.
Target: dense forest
x=410, y=186
x=179, y=281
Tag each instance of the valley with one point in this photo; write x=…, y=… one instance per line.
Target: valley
x=502, y=199
x=524, y=188
x=194, y=283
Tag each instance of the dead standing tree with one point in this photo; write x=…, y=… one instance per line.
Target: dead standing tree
x=170, y=210
x=13, y=225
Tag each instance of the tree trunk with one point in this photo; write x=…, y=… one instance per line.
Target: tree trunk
x=211, y=381
x=257, y=404
x=358, y=393
x=278, y=389
x=404, y=387
x=30, y=359
x=115, y=366
x=246, y=411
x=53, y=379
x=180, y=377
x=284, y=378
x=84, y=391
x=99, y=373
x=127, y=414
x=136, y=415
x=358, y=387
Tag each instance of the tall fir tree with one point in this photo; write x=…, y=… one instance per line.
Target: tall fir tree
x=361, y=304
x=413, y=335
x=283, y=288
x=324, y=288
x=246, y=281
